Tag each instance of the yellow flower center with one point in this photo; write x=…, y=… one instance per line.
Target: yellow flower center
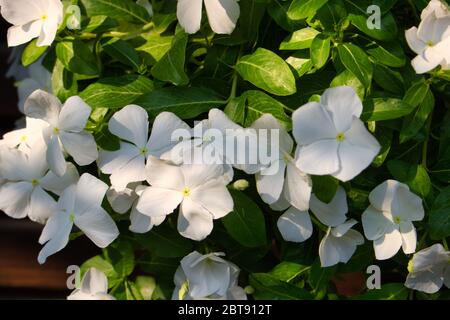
x=144, y=151
x=430, y=43
x=397, y=220
x=410, y=266
x=56, y=131
x=72, y=217
x=186, y=192
x=340, y=137
x=44, y=17
x=35, y=182
x=23, y=138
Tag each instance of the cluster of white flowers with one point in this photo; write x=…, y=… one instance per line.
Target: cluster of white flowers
x=431, y=40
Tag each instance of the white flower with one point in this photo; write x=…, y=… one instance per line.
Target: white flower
x=198, y=189
x=388, y=219
x=332, y=140
x=282, y=178
x=429, y=269
x=207, y=277
x=431, y=43
x=123, y=201
x=24, y=139
x=296, y=226
x=438, y=7
x=79, y=205
x=38, y=78
x=131, y=124
x=32, y=19
x=94, y=286
x=222, y=15
x=147, y=6
x=27, y=178
x=339, y=244
x=65, y=131
x=16, y=70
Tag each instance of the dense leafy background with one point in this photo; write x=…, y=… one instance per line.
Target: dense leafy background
x=281, y=55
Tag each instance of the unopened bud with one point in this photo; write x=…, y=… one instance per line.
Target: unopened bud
x=241, y=185
x=249, y=290
x=73, y=21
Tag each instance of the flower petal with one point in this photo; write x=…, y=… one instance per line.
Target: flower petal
x=331, y=214
x=55, y=184
x=328, y=252
x=94, y=281
x=222, y=15
x=90, y=192
x=375, y=223
x=22, y=34
x=297, y=187
x=133, y=171
x=44, y=106
x=214, y=197
x=156, y=201
x=409, y=237
x=55, y=235
x=194, y=222
x=189, y=14
x=388, y=245
x=131, y=124
x=15, y=199
x=416, y=45
x=74, y=115
x=81, y=146
x=42, y=206
x=319, y=158
x=164, y=175
x=55, y=157
x=98, y=226
x=295, y=225
x=111, y=161
x=270, y=186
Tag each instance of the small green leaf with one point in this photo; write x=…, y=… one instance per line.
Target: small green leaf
x=320, y=50
x=390, y=54
x=267, y=71
x=300, y=39
x=387, y=32
x=378, y=109
x=246, y=223
x=267, y=287
x=124, y=10
x=356, y=61
x=391, y=291
x=415, y=176
x=325, y=187
x=439, y=221
x=346, y=78
x=416, y=93
x=155, y=48
x=77, y=57
x=416, y=120
x=98, y=24
x=64, y=84
x=301, y=62
x=302, y=9
x=123, y=52
x=288, y=271
x=32, y=53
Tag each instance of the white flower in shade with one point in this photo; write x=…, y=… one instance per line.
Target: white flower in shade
x=147, y=6
x=23, y=139
x=27, y=180
x=79, y=205
x=131, y=125
x=388, y=219
x=282, y=178
x=429, y=269
x=207, y=277
x=38, y=78
x=123, y=201
x=32, y=19
x=199, y=190
x=65, y=131
x=94, y=286
x=296, y=226
x=222, y=15
x=438, y=7
x=431, y=43
x=331, y=138
x=339, y=244
x=16, y=70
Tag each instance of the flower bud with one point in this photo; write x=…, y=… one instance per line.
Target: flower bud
x=73, y=21
x=241, y=184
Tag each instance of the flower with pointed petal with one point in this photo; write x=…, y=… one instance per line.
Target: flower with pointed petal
x=38, y=79
x=388, y=219
x=207, y=277
x=79, y=205
x=431, y=43
x=429, y=269
x=94, y=286
x=199, y=190
x=282, y=178
x=296, y=226
x=27, y=180
x=339, y=244
x=32, y=19
x=222, y=15
x=65, y=131
x=332, y=140
x=131, y=125
x=23, y=139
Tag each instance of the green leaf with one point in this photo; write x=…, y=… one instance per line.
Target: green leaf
x=121, y=255
x=98, y=24
x=267, y=287
x=32, y=53
x=356, y=61
x=64, y=84
x=186, y=103
x=146, y=286
x=123, y=52
x=302, y=9
x=77, y=57
x=124, y=10
x=163, y=241
x=319, y=279
x=325, y=187
x=387, y=32
x=117, y=92
x=415, y=176
x=267, y=71
x=391, y=291
x=171, y=66
x=390, y=54
x=246, y=223
x=378, y=109
x=416, y=120
x=288, y=271
x=155, y=48
x=320, y=50
x=389, y=80
x=300, y=39
x=277, y=9
x=332, y=15
x=301, y=62
x=346, y=78
x=416, y=94
x=259, y=103
x=384, y=137
x=439, y=221
x=105, y=139
x=235, y=109
x=254, y=11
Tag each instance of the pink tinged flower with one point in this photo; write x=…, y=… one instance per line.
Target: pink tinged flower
x=32, y=19
x=388, y=221
x=65, y=131
x=131, y=125
x=79, y=205
x=198, y=190
x=331, y=138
